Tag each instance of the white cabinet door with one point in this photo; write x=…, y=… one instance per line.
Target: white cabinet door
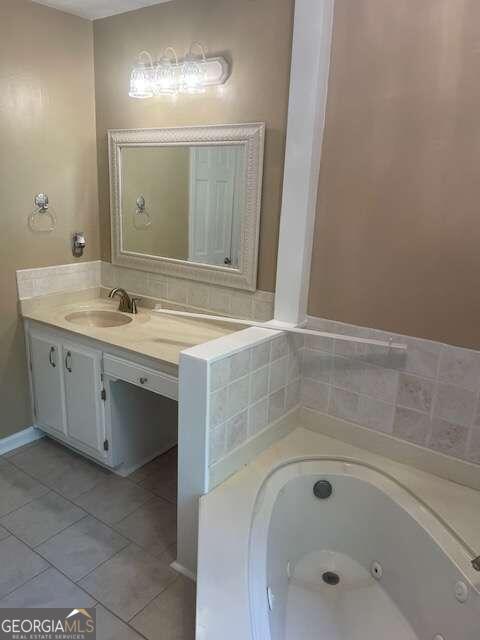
x=83, y=387
x=46, y=364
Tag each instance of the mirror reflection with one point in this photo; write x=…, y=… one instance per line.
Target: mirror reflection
x=184, y=202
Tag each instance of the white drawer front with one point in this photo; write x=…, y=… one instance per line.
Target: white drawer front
x=143, y=377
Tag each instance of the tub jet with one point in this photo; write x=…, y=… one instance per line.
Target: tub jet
x=331, y=578
x=322, y=489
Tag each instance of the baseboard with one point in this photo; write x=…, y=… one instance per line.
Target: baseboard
x=179, y=568
x=248, y=451
x=20, y=439
x=388, y=446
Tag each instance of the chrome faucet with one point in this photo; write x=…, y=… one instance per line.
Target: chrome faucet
x=127, y=304
x=476, y=564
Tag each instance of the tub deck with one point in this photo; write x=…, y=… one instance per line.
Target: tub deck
x=226, y=516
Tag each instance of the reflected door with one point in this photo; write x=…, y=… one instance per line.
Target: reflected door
x=213, y=237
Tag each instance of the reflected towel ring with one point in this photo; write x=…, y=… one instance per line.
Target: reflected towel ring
x=43, y=218
x=142, y=218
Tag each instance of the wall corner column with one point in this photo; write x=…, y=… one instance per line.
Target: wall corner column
x=312, y=41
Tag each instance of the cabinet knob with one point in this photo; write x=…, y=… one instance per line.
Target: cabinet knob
x=143, y=380
x=51, y=357
x=68, y=362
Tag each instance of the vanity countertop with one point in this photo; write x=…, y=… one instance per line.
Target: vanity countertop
x=160, y=337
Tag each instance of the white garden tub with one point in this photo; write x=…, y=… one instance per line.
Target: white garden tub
x=399, y=539
x=366, y=563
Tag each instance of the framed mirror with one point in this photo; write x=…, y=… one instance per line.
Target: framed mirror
x=185, y=201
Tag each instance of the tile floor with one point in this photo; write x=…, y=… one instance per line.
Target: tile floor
x=74, y=535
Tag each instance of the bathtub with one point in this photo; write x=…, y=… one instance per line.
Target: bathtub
x=400, y=541
x=369, y=562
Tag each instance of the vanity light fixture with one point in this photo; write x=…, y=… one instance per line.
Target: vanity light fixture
x=192, y=75
x=169, y=76
x=165, y=74
x=142, y=76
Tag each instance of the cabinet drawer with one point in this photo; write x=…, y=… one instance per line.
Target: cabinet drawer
x=143, y=377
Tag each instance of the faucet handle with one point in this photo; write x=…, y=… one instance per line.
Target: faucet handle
x=135, y=302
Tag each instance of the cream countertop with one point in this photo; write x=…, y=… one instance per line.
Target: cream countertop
x=160, y=337
x=226, y=518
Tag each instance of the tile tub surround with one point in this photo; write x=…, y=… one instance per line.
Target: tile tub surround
x=250, y=390
x=241, y=390
x=429, y=396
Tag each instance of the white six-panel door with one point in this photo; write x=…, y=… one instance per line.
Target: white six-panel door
x=213, y=174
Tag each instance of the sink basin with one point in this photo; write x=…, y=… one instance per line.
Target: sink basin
x=98, y=318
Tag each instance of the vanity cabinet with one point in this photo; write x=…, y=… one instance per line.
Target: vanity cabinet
x=83, y=398
x=105, y=403
x=47, y=379
x=67, y=391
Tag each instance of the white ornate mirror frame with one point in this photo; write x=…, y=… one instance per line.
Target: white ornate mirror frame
x=252, y=138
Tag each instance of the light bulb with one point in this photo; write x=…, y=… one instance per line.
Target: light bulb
x=165, y=78
x=141, y=78
x=193, y=71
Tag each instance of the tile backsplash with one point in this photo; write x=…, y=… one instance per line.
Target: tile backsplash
x=250, y=390
x=428, y=396
x=32, y=283
x=256, y=305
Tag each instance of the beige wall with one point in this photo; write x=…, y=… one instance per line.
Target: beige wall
x=47, y=134
x=162, y=176
x=255, y=34
x=397, y=239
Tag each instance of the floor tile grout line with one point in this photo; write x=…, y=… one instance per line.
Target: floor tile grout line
x=167, y=586
x=111, y=526
x=115, y=528
x=72, y=524
x=35, y=547
x=9, y=513
x=51, y=566
x=87, y=513
x=49, y=490
x=127, y=624
x=130, y=543
x=112, y=475
x=23, y=584
x=106, y=606
x=109, y=474
x=53, y=489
